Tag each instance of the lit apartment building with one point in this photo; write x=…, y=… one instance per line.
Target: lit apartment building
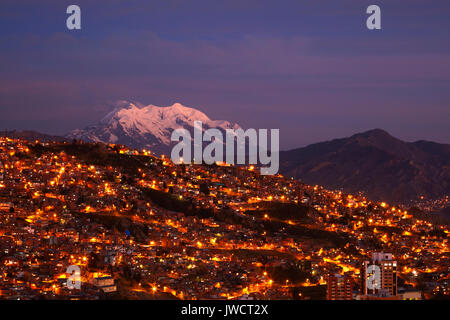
x=379, y=275
x=339, y=287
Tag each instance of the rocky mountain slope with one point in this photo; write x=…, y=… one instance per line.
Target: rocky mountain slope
x=384, y=167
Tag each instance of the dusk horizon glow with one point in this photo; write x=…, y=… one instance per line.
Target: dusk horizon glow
x=313, y=71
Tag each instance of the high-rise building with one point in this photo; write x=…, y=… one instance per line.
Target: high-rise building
x=379, y=275
x=339, y=287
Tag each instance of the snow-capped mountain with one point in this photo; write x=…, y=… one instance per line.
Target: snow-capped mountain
x=146, y=127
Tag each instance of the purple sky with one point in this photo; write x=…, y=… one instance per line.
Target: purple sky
x=310, y=68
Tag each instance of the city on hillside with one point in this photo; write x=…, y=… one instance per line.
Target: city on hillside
x=136, y=226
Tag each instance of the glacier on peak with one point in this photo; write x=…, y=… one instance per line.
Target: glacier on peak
x=146, y=126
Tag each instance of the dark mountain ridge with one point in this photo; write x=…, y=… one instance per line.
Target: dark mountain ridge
x=383, y=167
x=31, y=135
